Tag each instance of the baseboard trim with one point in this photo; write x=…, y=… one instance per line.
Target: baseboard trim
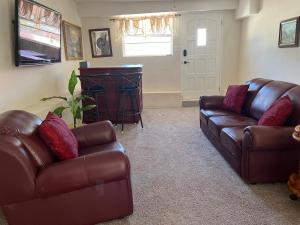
x=161, y=99
x=190, y=103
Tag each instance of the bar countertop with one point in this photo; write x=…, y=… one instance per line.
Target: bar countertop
x=114, y=67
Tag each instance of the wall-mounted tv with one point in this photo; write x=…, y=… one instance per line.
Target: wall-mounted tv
x=38, y=34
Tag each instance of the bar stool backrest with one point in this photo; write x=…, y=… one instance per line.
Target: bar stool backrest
x=89, y=83
x=131, y=80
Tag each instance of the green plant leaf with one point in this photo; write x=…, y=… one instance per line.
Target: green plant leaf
x=79, y=98
x=78, y=113
x=59, y=110
x=88, y=107
x=74, y=105
x=54, y=97
x=72, y=83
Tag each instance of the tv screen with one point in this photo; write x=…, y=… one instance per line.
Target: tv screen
x=38, y=34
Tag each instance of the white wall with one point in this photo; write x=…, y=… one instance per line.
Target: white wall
x=161, y=79
x=22, y=88
x=161, y=73
x=260, y=55
x=105, y=9
x=231, y=46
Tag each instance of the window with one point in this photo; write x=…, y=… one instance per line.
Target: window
x=201, y=37
x=150, y=45
x=147, y=35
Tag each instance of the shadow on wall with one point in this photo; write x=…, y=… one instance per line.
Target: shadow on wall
x=260, y=5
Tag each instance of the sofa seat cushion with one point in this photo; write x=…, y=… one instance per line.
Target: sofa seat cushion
x=231, y=139
x=114, y=146
x=217, y=123
x=206, y=114
x=81, y=172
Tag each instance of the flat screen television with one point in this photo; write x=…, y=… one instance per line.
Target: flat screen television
x=38, y=34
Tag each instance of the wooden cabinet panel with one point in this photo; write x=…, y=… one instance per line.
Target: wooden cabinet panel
x=110, y=78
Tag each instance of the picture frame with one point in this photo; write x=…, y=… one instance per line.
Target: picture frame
x=100, y=40
x=72, y=41
x=289, y=33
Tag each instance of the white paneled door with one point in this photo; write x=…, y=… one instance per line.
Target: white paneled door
x=201, y=40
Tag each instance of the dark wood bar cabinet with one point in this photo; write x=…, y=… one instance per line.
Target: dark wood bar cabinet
x=108, y=103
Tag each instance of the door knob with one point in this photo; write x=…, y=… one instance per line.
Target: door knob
x=186, y=62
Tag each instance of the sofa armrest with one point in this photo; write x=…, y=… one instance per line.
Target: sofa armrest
x=95, y=134
x=258, y=138
x=211, y=102
x=81, y=172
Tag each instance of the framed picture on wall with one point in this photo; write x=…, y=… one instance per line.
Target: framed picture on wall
x=73, y=41
x=289, y=33
x=100, y=42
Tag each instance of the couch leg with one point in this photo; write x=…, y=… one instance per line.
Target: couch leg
x=293, y=197
x=124, y=217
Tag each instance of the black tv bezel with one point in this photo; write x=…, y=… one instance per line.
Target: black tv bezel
x=18, y=62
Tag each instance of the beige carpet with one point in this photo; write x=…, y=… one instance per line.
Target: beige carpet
x=178, y=178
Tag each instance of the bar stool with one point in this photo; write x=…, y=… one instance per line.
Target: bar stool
x=92, y=89
x=130, y=87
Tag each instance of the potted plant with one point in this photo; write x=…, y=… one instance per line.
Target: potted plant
x=73, y=102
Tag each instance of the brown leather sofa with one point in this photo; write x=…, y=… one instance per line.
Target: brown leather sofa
x=256, y=153
x=35, y=189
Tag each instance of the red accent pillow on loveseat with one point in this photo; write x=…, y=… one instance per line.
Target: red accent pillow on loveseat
x=278, y=112
x=58, y=137
x=235, y=97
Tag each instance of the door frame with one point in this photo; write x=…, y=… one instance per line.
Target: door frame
x=219, y=16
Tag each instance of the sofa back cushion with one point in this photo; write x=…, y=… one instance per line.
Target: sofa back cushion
x=254, y=86
x=294, y=95
x=22, y=153
x=23, y=126
x=265, y=97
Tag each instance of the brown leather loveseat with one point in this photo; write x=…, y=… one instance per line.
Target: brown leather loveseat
x=35, y=189
x=256, y=153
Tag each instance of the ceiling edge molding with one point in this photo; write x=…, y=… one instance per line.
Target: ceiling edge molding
x=108, y=9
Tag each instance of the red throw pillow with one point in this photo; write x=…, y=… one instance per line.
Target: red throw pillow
x=58, y=137
x=278, y=112
x=235, y=97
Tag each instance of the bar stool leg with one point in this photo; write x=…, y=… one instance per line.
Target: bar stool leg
x=97, y=107
x=106, y=107
x=118, y=109
x=133, y=111
x=122, y=110
x=138, y=109
x=123, y=118
x=141, y=120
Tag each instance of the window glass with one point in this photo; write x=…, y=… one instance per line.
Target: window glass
x=201, y=37
x=151, y=45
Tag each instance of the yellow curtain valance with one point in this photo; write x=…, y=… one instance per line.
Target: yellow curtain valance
x=146, y=25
